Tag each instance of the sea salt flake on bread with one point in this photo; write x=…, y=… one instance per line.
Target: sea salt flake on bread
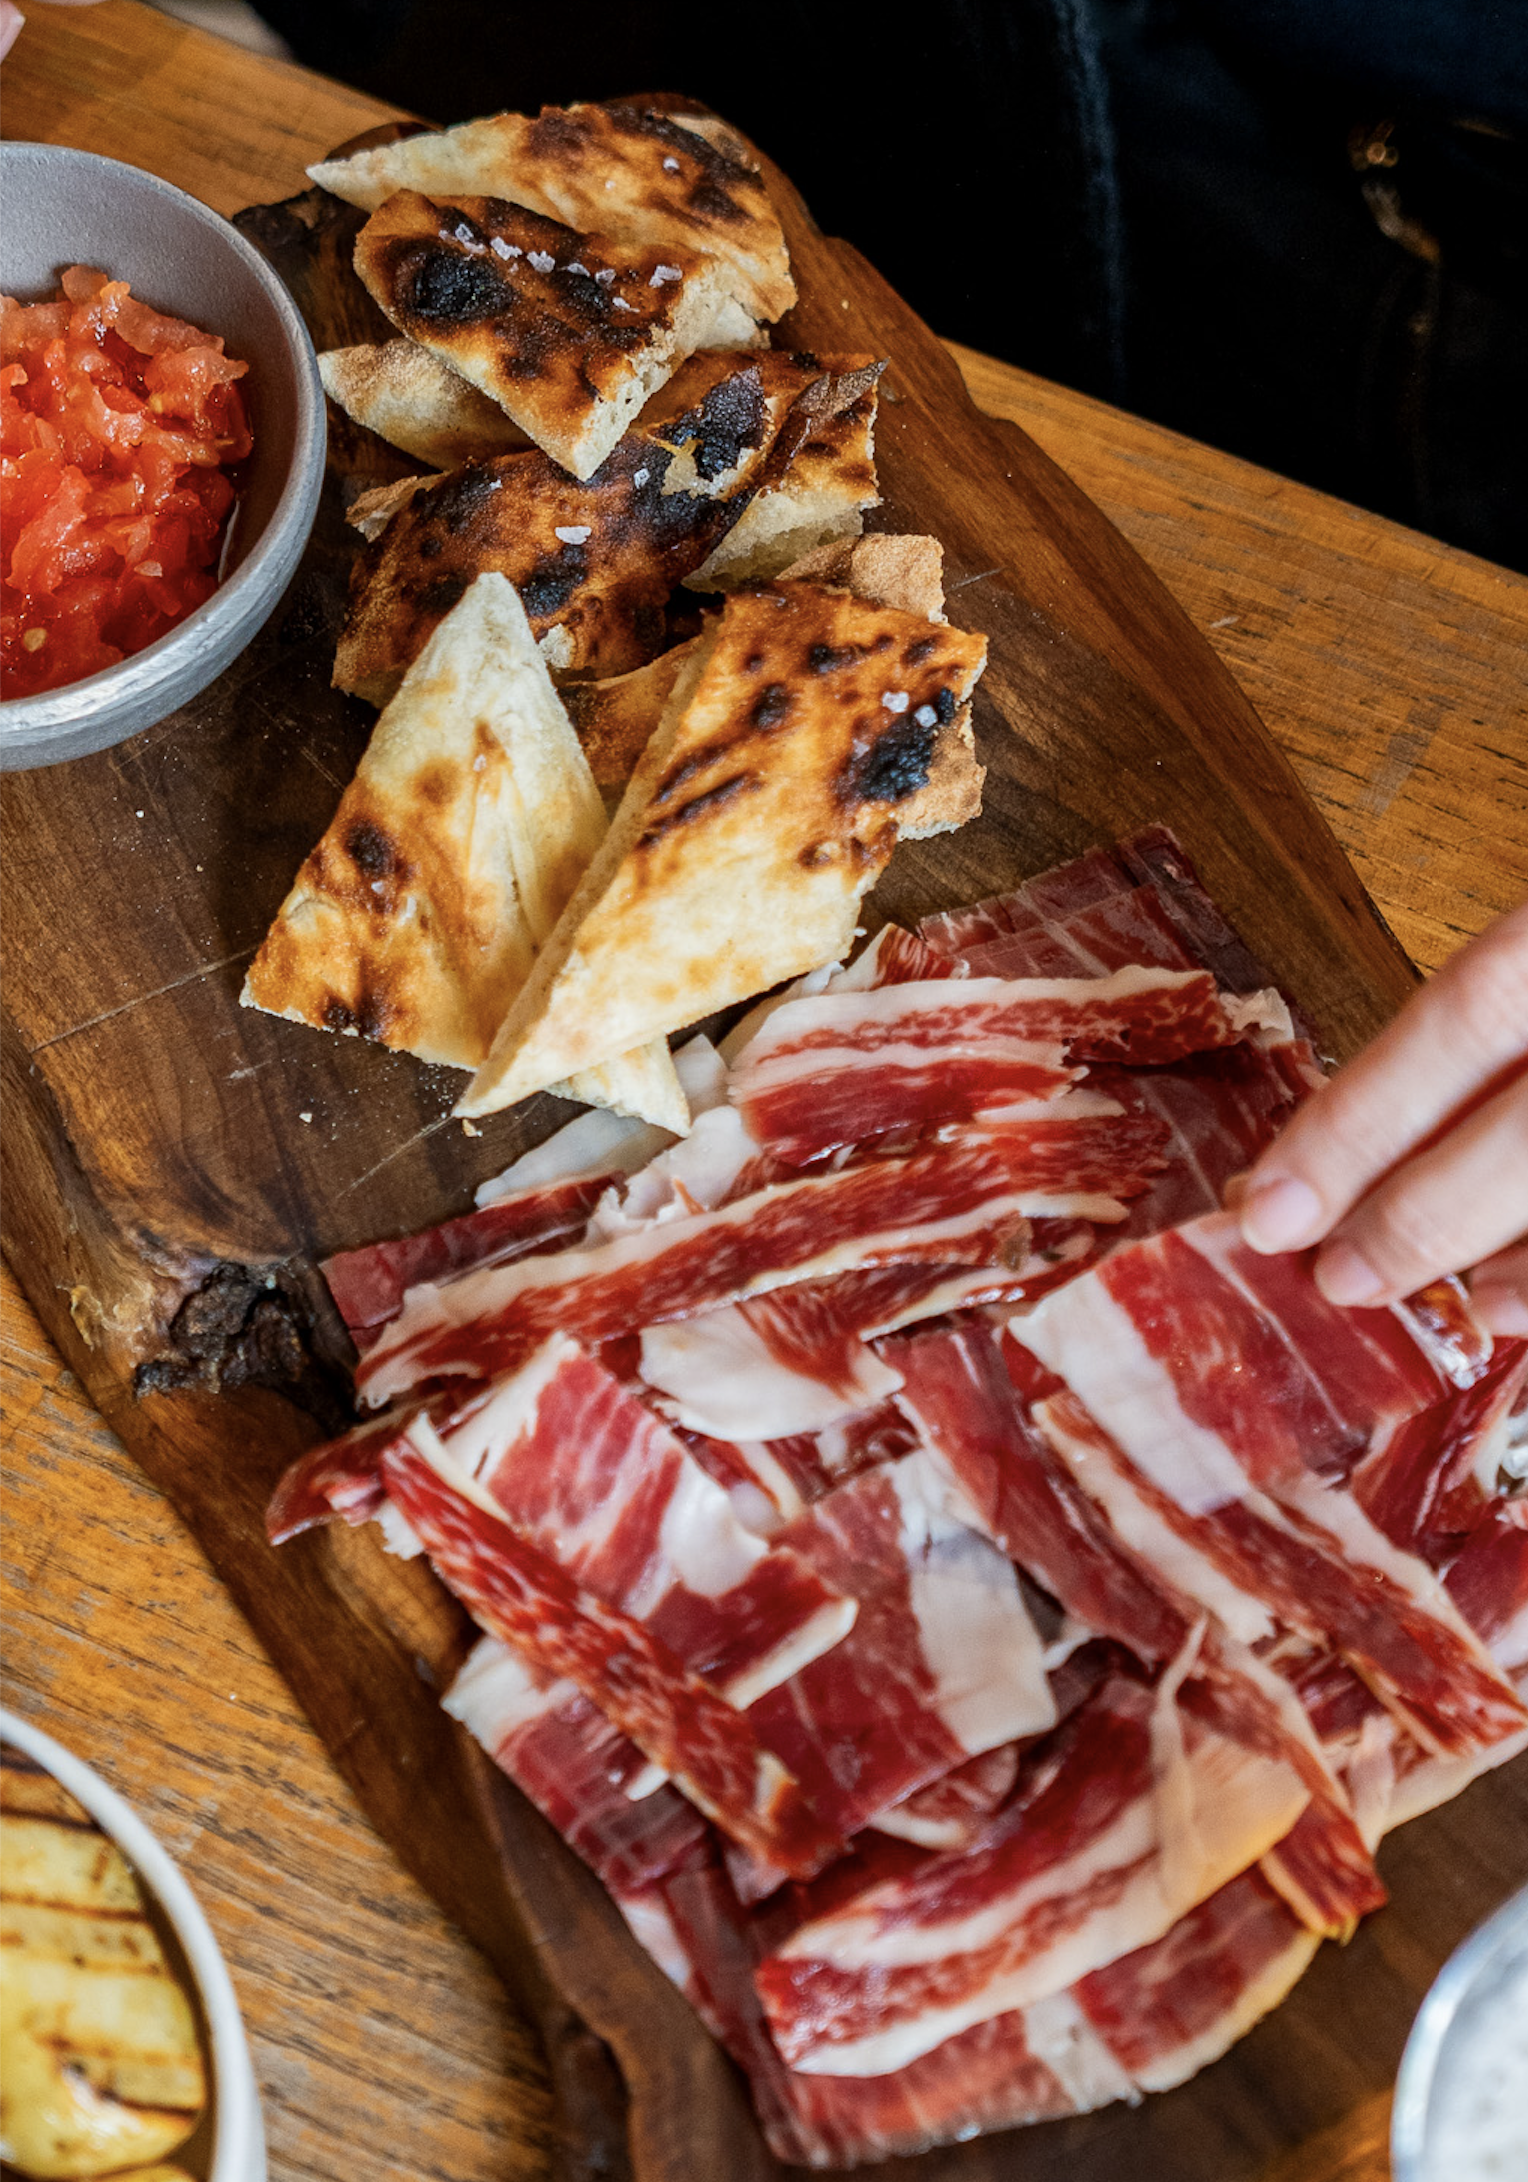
x=569, y=332
x=626, y=168
x=596, y=562
x=764, y=807
x=415, y=402
x=470, y=820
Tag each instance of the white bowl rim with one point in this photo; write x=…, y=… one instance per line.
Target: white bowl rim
x=1503, y=1930
x=76, y=701
x=238, y=2136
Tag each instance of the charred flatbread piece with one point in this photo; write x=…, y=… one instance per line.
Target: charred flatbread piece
x=615, y=719
x=819, y=497
x=908, y=573
x=764, y=807
x=470, y=820
x=595, y=563
x=684, y=181
x=412, y=400
x=569, y=333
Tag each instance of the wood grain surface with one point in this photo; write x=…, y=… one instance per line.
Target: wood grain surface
x=1391, y=670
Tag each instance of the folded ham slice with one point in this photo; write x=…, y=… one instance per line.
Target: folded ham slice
x=1134, y=1815
x=523, y=1596
x=835, y=1067
x=954, y=1205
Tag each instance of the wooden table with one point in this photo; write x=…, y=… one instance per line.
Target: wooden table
x=1390, y=669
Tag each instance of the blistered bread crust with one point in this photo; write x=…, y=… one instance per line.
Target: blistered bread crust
x=417, y=403
x=595, y=563
x=622, y=168
x=766, y=804
x=568, y=332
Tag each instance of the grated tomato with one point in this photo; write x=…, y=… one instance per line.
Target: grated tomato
x=117, y=429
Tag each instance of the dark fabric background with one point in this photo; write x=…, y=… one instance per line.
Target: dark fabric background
x=1152, y=200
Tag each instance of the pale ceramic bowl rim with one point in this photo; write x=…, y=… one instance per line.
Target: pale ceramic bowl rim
x=238, y=2153
x=223, y=624
x=1503, y=1935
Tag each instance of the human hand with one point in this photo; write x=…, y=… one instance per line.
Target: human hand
x=1413, y=1161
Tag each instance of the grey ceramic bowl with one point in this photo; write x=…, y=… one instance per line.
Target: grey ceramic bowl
x=60, y=208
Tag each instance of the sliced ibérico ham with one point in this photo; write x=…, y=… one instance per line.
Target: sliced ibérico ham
x=836, y=1068
x=1135, y=1583
x=1317, y=1591
x=520, y=1595
x=943, y=1660
x=893, y=957
x=795, y=1362
x=1147, y=1424
x=1144, y=2023
x=1218, y=1112
x=1113, y=1839
x=772, y=1481
x=948, y=1206
x=780, y=1364
x=1142, y=901
x=577, y=1769
x=1166, y=2010
x=369, y=1284
x=1435, y=1481
x=951, y=1812
x=989, y=2078
x=340, y=1479
x=589, y=1475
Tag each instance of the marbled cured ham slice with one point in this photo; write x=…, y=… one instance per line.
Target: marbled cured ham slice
x=593, y=1478
x=784, y=1363
x=772, y=1481
x=948, y=1206
x=692, y=1925
x=1117, y=1835
x=1166, y=2010
x=1135, y=1583
x=951, y=1812
x=1140, y=902
x=578, y=1770
x=1155, y=1417
x=797, y=1362
x=1145, y=2022
x=1437, y=1479
x=369, y=1284
x=835, y=1068
x=943, y=1661
x=1217, y=1112
x=520, y=1595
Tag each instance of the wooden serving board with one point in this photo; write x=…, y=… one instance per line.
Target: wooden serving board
x=174, y=1166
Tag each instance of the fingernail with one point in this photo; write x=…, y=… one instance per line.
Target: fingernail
x=1502, y=1311
x=1345, y=1278
x=1280, y=1214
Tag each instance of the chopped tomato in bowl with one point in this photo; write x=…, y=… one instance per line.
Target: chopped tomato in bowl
x=119, y=427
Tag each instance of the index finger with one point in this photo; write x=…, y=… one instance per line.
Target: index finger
x=1460, y=1032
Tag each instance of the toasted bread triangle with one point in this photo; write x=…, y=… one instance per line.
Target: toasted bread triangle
x=764, y=807
x=595, y=563
x=569, y=332
x=414, y=401
x=685, y=181
x=471, y=817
